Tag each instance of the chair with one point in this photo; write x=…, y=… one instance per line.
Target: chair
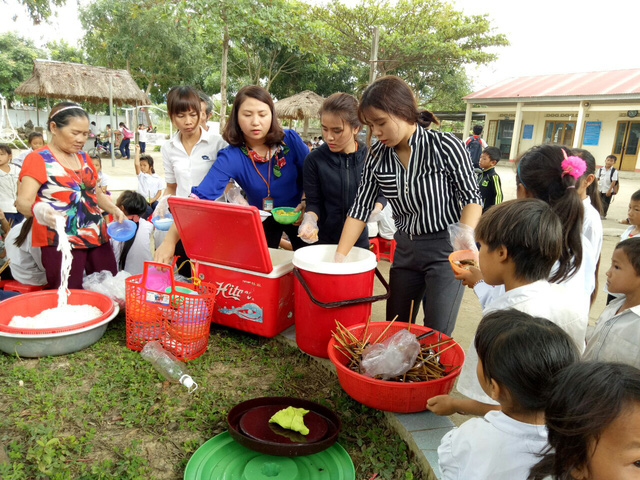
x=374, y=246
x=386, y=248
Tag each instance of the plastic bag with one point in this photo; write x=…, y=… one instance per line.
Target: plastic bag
x=162, y=209
x=104, y=282
x=391, y=358
x=462, y=237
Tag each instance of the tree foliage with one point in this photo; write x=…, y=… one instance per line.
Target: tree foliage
x=16, y=62
x=61, y=51
x=159, y=48
x=427, y=42
x=40, y=10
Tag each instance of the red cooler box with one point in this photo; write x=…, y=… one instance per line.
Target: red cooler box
x=228, y=246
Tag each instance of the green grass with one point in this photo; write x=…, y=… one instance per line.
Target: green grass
x=104, y=413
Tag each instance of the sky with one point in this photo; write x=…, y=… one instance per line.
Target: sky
x=546, y=36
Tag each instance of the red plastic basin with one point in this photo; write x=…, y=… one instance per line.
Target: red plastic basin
x=394, y=396
x=31, y=304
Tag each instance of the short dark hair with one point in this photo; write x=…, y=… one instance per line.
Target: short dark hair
x=61, y=117
x=394, y=96
x=33, y=135
x=585, y=399
x=132, y=202
x=529, y=229
x=233, y=133
x=344, y=106
x=477, y=129
x=493, y=153
x=523, y=353
x=631, y=248
x=149, y=160
x=615, y=159
x=182, y=98
x=207, y=100
x=5, y=148
x=636, y=196
x=95, y=158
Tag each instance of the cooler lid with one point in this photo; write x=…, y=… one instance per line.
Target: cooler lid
x=222, y=233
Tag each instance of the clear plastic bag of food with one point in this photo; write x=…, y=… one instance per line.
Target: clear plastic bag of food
x=391, y=358
x=462, y=237
x=104, y=282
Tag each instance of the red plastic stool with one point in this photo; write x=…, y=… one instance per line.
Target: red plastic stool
x=374, y=246
x=15, y=286
x=387, y=248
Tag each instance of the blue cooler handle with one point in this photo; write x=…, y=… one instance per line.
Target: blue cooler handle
x=344, y=303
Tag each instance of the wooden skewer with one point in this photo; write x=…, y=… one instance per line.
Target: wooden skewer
x=410, y=315
x=385, y=330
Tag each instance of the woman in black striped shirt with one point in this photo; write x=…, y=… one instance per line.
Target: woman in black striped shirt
x=427, y=176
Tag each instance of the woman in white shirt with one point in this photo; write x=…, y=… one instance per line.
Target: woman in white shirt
x=191, y=151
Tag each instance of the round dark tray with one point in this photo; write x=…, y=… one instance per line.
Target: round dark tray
x=283, y=449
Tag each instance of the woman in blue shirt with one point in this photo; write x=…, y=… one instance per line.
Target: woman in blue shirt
x=265, y=160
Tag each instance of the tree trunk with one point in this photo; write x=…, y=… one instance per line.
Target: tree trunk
x=223, y=77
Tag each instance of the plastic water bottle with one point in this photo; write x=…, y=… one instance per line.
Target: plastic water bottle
x=167, y=365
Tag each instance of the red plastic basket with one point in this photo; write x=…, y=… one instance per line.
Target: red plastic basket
x=394, y=396
x=179, y=321
x=31, y=304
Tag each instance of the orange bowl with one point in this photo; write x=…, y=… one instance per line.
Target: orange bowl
x=461, y=255
x=394, y=396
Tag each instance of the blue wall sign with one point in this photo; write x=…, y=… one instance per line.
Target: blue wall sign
x=527, y=132
x=591, y=133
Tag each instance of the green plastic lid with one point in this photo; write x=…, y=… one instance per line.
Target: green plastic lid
x=222, y=457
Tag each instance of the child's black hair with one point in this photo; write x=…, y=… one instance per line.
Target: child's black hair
x=592, y=190
x=523, y=353
x=631, y=248
x=34, y=135
x=477, y=129
x=540, y=172
x=636, y=196
x=133, y=204
x=615, y=159
x=585, y=399
x=96, y=158
x=493, y=153
x=5, y=148
x=149, y=160
x=529, y=229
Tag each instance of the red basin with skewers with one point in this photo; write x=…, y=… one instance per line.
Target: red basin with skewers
x=389, y=395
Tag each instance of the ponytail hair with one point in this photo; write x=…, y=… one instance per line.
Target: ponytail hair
x=394, y=96
x=539, y=171
x=24, y=232
x=592, y=190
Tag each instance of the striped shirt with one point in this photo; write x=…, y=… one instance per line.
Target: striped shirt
x=429, y=195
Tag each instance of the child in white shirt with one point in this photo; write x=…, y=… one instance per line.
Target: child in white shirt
x=9, y=185
x=150, y=184
x=25, y=260
x=131, y=255
x=103, y=179
x=607, y=179
x=35, y=140
x=518, y=357
x=616, y=336
x=520, y=241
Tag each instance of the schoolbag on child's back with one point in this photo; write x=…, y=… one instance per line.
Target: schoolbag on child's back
x=474, y=147
x=617, y=185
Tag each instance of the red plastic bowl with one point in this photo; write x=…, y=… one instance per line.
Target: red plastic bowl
x=462, y=255
x=31, y=304
x=394, y=396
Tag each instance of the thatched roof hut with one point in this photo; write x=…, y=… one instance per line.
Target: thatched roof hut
x=301, y=106
x=81, y=83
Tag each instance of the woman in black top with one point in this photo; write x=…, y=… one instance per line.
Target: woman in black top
x=428, y=178
x=332, y=173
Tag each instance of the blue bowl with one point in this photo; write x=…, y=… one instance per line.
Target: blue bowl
x=163, y=223
x=122, y=231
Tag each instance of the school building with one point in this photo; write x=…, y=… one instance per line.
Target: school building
x=597, y=111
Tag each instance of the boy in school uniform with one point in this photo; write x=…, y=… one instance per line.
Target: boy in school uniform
x=488, y=179
x=520, y=241
x=607, y=179
x=616, y=336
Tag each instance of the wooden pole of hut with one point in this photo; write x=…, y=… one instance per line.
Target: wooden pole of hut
x=111, y=136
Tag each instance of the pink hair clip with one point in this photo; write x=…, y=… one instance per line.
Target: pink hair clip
x=573, y=165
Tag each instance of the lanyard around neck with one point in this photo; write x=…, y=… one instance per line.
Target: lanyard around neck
x=267, y=183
